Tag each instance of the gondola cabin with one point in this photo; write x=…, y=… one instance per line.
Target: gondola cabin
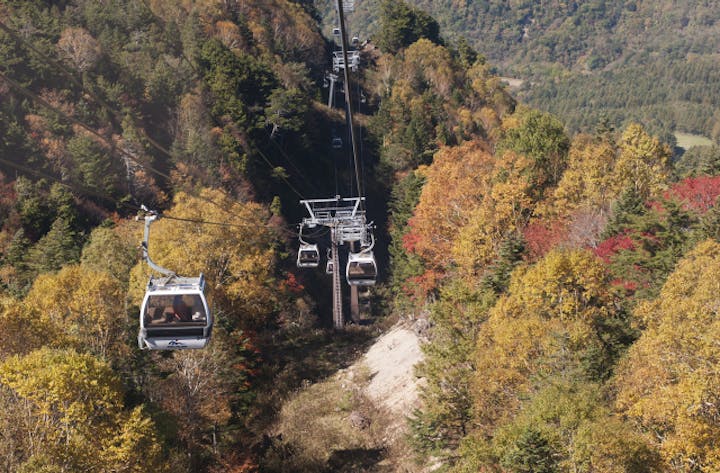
x=361, y=269
x=308, y=256
x=175, y=314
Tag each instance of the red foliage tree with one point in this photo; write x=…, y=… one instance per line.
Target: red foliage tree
x=541, y=237
x=613, y=245
x=696, y=193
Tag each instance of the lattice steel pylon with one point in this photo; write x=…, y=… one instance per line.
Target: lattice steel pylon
x=346, y=220
x=338, y=318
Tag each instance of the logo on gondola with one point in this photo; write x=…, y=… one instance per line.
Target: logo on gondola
x=175, y=343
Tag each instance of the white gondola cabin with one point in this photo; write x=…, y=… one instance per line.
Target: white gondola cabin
x=308, y=256
x=175, y=314
x=361, y=269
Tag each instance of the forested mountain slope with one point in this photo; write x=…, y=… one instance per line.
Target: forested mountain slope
x=551, y=267
x=206, y=112
x=653, y=61
x=565, y=284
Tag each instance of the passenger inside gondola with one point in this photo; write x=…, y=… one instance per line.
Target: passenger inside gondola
x=308, y=256
x=361, y=269
x=185, y=309
x=181, y=312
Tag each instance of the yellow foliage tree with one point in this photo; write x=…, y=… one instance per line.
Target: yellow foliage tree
x=432, y=98
x=503, y=211
x=86, y=306
x=64, y=411
x=589, y=180
x=580, y=429
x=426, y=62
x=669, y=382
x=492, y=102
x=25, y=329
x=112, y=250
x=551, y=315
x=643, y=162
x=456, y=183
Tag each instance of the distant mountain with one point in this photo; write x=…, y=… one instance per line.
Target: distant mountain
x=652, y=61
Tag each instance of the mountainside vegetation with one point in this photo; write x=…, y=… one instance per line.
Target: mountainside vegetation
x=584, y=61
x=565, y=281
x=200, y=110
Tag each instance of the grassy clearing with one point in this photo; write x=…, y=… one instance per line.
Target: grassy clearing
x=329, y=426
x=688, y=140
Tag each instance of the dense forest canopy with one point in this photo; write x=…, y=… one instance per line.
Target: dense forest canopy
x=625, y=60
x=565, y=282
x=199, y=110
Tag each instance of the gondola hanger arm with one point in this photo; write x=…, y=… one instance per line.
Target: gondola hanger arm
x=150, y=217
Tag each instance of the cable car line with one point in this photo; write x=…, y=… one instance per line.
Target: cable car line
x=348, y=102
x=98, y=194
x=32, y=95
x=53, y=62
x=70, y=75
x=80, y=189
x=175, y=313
x=293, y=165
x=360, y=137
x=118, y=115
x=113, y=149
x=206, y=222
x=345, y=217
x=265, y=158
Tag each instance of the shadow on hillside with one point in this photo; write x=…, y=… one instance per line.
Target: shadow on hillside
x=357, y=460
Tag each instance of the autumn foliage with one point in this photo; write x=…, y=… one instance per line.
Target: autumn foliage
x=591, y=250
x=456, y=184
x=668, y=381
x=696, y=193
x=565, y=287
